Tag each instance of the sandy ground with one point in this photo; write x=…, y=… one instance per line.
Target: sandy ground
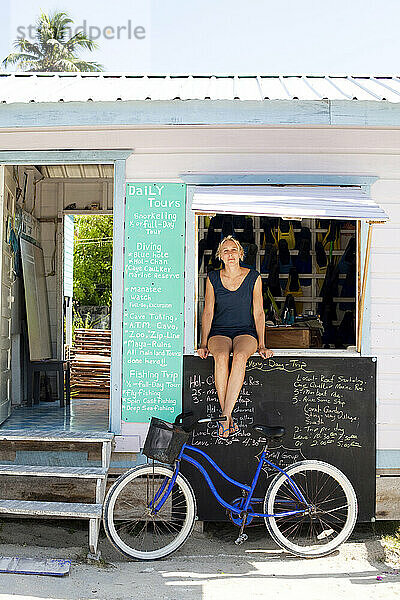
x=208, y=567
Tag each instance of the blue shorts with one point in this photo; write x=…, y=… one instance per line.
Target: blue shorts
x=234, y=333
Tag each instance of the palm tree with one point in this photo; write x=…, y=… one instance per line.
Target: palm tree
x=54, y=49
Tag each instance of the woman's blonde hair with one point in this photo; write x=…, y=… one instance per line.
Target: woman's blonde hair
x=230, y=238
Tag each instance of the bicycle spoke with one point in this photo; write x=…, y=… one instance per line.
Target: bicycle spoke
x=147, y=517
x=315, y=532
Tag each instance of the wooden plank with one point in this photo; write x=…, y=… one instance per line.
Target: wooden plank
x=388, y=472
x=388, y=498
x=91, y=363
x=288, y=337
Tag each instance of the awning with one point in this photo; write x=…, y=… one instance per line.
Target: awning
x=290, y=201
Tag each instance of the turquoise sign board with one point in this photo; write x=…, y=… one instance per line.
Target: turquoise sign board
x=153, y=301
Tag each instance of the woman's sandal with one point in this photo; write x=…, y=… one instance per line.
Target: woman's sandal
x=233, y=428
x=222, y=430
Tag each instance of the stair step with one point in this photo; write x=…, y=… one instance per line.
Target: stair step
x=45, y=471
x=43, y=435
x=51, y=509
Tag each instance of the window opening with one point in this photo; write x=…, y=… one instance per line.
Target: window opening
x=308, y=269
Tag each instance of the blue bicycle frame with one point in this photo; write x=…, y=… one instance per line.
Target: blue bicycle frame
x=165, y=490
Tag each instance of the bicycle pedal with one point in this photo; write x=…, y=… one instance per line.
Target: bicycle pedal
x=242, y=538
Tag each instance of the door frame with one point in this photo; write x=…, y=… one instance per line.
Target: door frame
x=117, y=158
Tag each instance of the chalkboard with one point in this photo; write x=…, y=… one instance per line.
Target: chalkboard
x=326, y=404
x=153, y=301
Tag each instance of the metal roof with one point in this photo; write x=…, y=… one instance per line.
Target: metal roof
x=103, y=87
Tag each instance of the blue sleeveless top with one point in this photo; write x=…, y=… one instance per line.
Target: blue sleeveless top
x=233, y=309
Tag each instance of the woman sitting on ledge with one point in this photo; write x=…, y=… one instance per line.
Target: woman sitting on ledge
x=233, y=321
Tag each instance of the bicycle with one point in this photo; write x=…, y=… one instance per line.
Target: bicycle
x=309, y=508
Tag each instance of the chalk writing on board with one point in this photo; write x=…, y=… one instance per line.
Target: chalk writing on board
x=204, y=396
x=322, y=403
x=327, y=407
x=282, y=457
x=153, y=301
x=271, y=364
x=326, y=411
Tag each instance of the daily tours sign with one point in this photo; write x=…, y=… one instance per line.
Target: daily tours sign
x=153, y=301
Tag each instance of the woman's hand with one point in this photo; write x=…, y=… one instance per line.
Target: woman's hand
x=203, y=351
x=265, y=352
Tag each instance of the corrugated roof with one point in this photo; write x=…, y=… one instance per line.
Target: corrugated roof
x=78, y=171
x=103, y=87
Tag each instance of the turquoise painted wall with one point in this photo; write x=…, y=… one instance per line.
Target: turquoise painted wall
x=153, y=301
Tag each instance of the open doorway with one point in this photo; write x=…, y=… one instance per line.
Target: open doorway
x=39, y=204
x=88, y=313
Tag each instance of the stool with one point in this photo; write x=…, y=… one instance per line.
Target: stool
x=61, y=367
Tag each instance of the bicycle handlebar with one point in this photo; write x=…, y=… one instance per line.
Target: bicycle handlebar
x=188, y=421
x=212, y=419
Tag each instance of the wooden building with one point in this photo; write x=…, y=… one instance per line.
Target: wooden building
x=163, y=154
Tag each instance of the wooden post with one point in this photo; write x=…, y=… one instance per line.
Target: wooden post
x=364, y=287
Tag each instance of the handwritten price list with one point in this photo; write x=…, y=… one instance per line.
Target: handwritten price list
x=153, y=301
x=319, y=408
x=326, y=405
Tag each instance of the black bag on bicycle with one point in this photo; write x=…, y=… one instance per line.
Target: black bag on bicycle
x=164, y=441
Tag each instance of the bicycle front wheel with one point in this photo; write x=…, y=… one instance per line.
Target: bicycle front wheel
x=331, y=509
x=128, y=520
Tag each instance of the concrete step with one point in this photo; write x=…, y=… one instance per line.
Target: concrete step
x=51, y=509
x=43, y=435
x=45, y=471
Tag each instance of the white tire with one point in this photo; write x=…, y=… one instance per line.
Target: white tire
x=129, y=524
x=327, y=525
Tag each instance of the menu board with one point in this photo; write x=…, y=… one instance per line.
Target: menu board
x=326, y=404
x=153, y=301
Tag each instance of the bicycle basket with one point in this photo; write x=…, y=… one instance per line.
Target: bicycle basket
x=164, y=441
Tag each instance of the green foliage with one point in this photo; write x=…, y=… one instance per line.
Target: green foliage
x=80, y=322
x=53, y=49
x=93, y=260
x=391, y=543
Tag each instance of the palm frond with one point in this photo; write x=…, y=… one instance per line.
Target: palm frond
x=25, y=45
x=74, y=64
x=90, y=66
x=79, y=40
x=17, y=57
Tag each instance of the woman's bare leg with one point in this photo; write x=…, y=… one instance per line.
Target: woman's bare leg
x=220, y=347
x=243, y=347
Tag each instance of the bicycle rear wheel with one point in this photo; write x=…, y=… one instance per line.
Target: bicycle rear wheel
x=330, y=518
x=129, y=523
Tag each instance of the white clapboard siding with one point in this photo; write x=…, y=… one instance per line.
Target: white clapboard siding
x=388, y=388
x=385, y=288
x=389, y=364
x=388, y=436
x=386, y=263
x=382, y=232
x=384, y=312
x=388, y=411
x=385, y=337
x=171, y=165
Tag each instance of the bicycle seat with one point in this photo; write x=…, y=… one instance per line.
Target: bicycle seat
x=270, y=432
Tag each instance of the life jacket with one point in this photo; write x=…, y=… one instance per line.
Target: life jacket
x=285, y=232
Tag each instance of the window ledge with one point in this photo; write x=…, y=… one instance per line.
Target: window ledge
x=314, y=352
x=310, y=352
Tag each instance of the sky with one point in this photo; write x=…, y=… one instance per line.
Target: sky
x=226, y=36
